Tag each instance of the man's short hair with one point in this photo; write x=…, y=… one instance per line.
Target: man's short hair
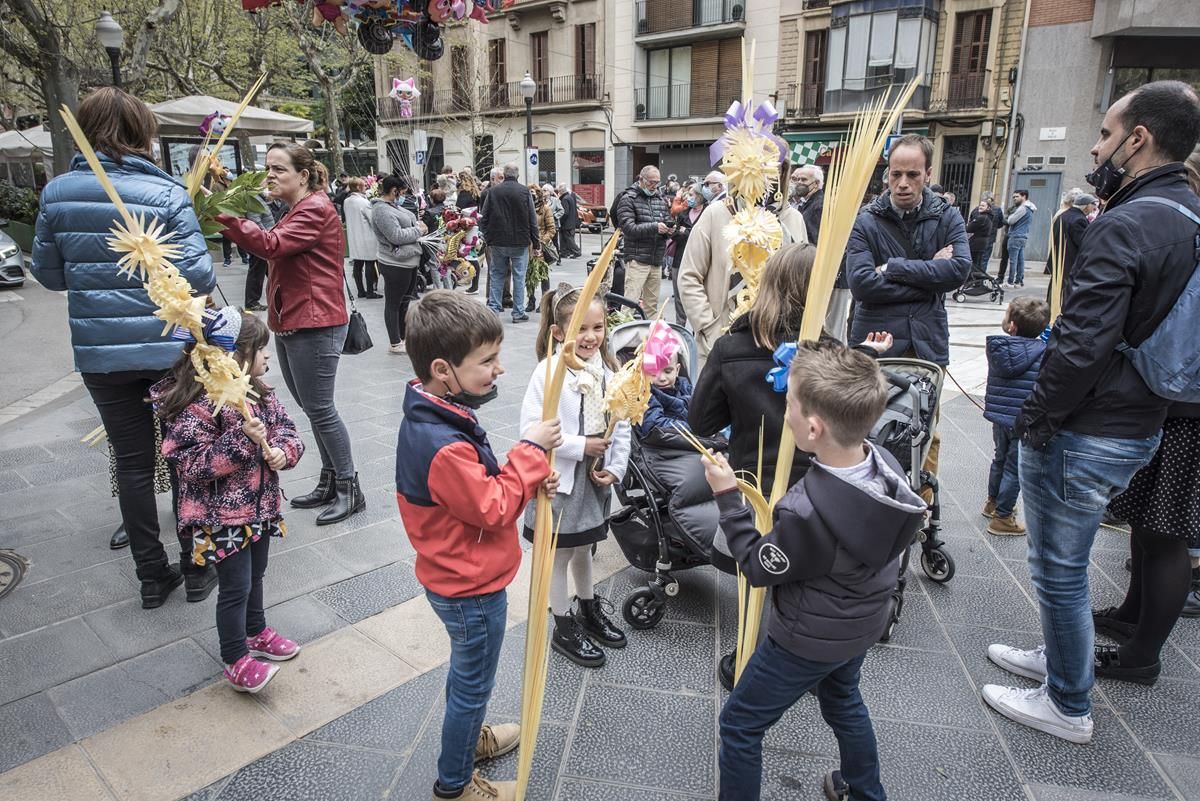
x=1022, y=192
x=1170, y=111
x=447, y=325
x=1031, y=316
x=841, y=386
x=914, y=140
x=645, y=173
x=512, y=170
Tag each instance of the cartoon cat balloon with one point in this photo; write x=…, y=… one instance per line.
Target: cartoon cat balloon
x=406, y=92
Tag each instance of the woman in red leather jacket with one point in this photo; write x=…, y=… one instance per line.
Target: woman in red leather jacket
x=306, y=309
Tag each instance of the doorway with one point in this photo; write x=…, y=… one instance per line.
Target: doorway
x=1044, y=189
x=958, y=169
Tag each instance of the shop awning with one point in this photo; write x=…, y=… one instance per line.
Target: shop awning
x=817, y=147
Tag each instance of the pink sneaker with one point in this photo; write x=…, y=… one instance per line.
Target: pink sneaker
x=248, y=675
x=269, y=645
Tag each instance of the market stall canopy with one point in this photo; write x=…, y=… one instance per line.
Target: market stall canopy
x=186, y=114
x=32, y=142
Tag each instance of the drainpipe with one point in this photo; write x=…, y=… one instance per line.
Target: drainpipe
x=1008, y=151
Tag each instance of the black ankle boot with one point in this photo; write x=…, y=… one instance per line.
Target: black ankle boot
x=323, y=494
x=198, y=584
x=156, y=590
x=570, y=641
x=592, y=619
x=726, y=669
x=348, y=499
x=119, y=539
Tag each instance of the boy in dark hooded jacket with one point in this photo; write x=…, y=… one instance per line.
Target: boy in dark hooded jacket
x=1014, y=361
x=831, y=558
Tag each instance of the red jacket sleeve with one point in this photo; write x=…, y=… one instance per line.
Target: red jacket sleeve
x=459, y=482
x=298, y=232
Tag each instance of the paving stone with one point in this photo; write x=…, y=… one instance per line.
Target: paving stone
x=689, y=649
x=1165, y=717
x=211, y=792
x=302, y=619
x=31, y=606
x=129, y=630
x=579, y=790
x=362, y=596
x=372, y=546
x=75, y=551
x=786, y=776
x=44, y=497
x=551, y=742
x=32, y=662
x=100, y=700
x=1184, y=772
x=616, y=724
x=972, y=557
x=31, y=728
x=918, y=628
x=11, y=458
x=297, y=572
x=174, y=670
x=564, y=681
x=26, y=530
x=305, y=771
x=695, y=603
x=11, y=481
x=62, y=469
x=419, y=769
x=1048, y=792
x=983, y=602
x=892, y=688
x=393, y=721
x=1111, y=763
x=65, y=773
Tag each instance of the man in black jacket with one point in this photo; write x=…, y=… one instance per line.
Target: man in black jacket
x=643, y=217
x=567, y=248
x=509, y=225
x=1091, y=421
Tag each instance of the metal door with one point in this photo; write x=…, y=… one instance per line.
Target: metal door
x=1044, y=189
x=958, y=168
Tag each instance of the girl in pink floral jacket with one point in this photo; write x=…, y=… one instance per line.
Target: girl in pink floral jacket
x=229, y=499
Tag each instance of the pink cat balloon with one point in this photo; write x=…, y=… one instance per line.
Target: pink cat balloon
x=406, y=92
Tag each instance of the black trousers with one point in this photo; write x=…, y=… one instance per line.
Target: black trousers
x=399, y=289
x=256, y=276
x=567, y=248
x=1003, y=259
x=240, y=598
x=227, y=249
x=129, y=423
x=370, y=279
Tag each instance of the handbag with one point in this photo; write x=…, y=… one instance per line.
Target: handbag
x=358, y=339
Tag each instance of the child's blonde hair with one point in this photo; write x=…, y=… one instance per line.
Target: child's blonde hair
x=843, y=387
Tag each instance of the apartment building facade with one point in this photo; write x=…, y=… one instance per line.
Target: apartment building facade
x=1080, y=56
x=837, y=55
x=471, y=112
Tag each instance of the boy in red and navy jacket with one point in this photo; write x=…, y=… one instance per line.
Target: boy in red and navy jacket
x=460, y=509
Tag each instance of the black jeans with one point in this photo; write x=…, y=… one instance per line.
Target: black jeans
x=367, y=266
x=309, y=360
x=567, y=248
x=399, y=289
x=1000, y=272
x=240, y=598
x=129, y=422
x=256, y=274
x=227, y=249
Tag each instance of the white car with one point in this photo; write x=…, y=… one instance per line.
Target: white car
x=12, y=263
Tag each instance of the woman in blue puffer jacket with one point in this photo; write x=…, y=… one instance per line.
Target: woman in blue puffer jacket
x=119, y=345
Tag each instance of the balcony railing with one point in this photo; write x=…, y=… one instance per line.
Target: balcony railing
x=960, y=91
x=662, y=16
x=854, y=93
x=810, y=4
x=497, y=98
x=803, y=100
x=685, y=100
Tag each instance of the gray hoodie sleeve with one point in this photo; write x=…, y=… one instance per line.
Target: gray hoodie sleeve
x=394, y=225
x=1020, y=212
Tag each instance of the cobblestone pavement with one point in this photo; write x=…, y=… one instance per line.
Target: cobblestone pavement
x=100, y=699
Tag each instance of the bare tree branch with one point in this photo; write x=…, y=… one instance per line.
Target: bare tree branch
x=159, y=17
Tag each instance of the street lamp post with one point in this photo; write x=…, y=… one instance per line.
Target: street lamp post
x=528, y=89
x=111, y=37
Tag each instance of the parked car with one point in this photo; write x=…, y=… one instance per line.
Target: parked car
x=12, y=262
x=592, y=219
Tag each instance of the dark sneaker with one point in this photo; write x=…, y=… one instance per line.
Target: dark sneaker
x=156, y=590
x=1108, y=666
x=726, y=669
x=199, y=584
x=835, y=787
x=1191, y=607
x=1107, y=622
x=520, y=318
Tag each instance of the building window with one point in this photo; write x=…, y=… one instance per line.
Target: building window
x=585, y=49
x=1126, y=79
x=812, y=90
x=668, y=83
x=868, y=53
x=497, y=73
x=587, y=166
x=539, y=59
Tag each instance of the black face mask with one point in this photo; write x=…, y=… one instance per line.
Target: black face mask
x=1106, y=179
x=472, y=400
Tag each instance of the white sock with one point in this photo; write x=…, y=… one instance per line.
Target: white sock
x=581, y=571
x=560, y=603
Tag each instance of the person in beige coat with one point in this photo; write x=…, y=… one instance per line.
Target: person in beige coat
x=705, y=271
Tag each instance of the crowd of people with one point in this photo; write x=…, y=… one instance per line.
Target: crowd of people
x=1079, y=430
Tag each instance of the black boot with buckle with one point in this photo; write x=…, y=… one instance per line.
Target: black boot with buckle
x=322, y=495
x=571, y=641
x=592, y=619
x=348, y=499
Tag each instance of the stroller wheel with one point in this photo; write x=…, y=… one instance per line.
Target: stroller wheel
x=959, y=297
x=938, y=565
x=895, y=604
x=997, y=296
x=642, y=610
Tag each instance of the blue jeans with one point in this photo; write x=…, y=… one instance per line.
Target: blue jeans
x=1003, y=485
x=772, y=682
x=1016, y=259
x=1067, y=485
x=240, y=598
x=476, y=628
x=501, y=261
x=308, y=360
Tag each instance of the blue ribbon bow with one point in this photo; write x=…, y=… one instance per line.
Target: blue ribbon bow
x=221, y=328
x=777, y=377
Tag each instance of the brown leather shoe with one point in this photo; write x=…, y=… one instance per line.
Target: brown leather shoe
x=496, y=741
x=480, y=789
x=1006, y=526
x=989, y=508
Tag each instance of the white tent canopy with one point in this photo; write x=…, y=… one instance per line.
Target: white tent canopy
x=189, y=112
x=27, y=144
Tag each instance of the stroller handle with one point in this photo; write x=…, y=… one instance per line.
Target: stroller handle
x=898, y=381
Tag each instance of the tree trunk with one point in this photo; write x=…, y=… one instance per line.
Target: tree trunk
x=333, y=125
x=60, y=86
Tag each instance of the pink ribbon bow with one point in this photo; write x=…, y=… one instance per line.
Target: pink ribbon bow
x=661, y=347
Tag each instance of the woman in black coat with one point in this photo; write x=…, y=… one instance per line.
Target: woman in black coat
x=684, y=221
x=979, y=231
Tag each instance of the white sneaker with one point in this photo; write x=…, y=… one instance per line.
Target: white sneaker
x=1030, y=664
x=1033, y=708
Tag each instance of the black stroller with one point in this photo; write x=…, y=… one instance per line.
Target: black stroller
x=978, y=285
x=906, y=431
x=655, y=535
